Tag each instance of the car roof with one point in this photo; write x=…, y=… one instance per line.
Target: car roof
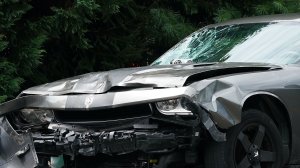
x=295, y=17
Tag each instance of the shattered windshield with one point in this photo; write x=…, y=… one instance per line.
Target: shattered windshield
x=277, y=43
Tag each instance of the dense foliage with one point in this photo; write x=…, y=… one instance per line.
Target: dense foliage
x=46, y=40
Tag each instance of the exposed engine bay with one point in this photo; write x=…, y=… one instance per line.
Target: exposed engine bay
x=146, y=142
x=143, y=146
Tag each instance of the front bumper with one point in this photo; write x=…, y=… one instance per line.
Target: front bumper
x=95, y=101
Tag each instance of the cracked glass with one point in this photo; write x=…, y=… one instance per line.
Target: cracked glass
x=276, y=43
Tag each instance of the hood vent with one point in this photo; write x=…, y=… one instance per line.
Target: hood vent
x=205, y=64
x=220, y=72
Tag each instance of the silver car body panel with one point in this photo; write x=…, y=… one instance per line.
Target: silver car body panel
x=151, y=76
x=16, y=149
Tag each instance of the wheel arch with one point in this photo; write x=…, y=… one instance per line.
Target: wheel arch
x=274, y=107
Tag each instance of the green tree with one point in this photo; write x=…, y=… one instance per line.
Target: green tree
x=237, y=9
x=20, y=47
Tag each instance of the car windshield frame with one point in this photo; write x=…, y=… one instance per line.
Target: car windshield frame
x=264, y=42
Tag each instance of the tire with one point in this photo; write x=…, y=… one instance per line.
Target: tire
x=254, y=143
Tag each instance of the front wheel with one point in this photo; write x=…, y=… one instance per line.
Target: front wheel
x=254, y=143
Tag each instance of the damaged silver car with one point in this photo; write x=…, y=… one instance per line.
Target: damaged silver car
x=228, y=95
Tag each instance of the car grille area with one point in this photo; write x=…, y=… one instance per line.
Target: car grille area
x=103, y=115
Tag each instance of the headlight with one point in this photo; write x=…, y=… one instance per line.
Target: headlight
x=37, y=116
x=180, y=106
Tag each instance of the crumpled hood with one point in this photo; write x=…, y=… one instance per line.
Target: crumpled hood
x=149, y=76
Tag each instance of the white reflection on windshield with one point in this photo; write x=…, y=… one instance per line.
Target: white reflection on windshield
x=278, y=44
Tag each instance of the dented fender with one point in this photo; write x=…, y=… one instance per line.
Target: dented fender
x=223, y=101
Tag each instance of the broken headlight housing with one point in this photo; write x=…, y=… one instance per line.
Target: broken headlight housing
x=179, y=106
x=37, y=116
